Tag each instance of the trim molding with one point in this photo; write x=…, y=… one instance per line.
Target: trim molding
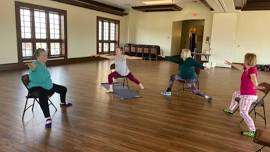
x=158, y=8
x=94, y=5
x=21, y=66
x=205, y=3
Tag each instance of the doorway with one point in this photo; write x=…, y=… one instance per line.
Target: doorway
x=187, y=34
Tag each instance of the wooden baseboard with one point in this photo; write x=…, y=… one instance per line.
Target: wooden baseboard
x=21, y=66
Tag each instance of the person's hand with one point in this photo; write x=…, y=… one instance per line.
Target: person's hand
x=227, y=62
x=31, y=65
x=206, y=68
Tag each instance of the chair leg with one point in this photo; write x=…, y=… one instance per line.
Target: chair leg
x=127, y=83
x=124, y=82
x=50, y=102
x=264, y=116
x=260, y=150
x=24, y=108
x=255, y=112
x=183, y=86
x=33, y=104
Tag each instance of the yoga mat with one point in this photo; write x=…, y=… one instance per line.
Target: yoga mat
x=122, y=92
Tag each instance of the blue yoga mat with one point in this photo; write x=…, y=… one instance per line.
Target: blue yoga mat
x=121, y=91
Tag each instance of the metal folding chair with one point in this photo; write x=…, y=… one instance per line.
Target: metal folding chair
x=125, y=79
x=262, y=138
x=33, y=95
x=259, y=103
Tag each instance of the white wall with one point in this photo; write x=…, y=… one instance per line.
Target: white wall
x=156, y=27
x=223, y=38
x=81, y=27
x=251, y=34
x=8, y=40
x=176, y=37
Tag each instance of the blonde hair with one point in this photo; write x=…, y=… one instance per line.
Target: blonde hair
x=186, y=53
x=250, y=59
x=38, y=52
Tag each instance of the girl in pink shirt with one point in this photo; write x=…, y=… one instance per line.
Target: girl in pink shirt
x=247, y=93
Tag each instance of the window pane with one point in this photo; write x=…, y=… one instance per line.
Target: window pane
x=25, y=23
x=55, y=48
x=100, y=30
x=105, y=47
x=99, y=47
x=42, y=45
x=112, y=46
x=54, y=19
x=116, y=32
x=105, y=30
x=62, y=28
x=40, y=24
x=27, y=49
x=112, y=31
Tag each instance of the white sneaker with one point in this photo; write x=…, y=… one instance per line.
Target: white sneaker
x=110, y=90
x=166, y=93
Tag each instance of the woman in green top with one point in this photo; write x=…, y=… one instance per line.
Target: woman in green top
x=40, y=83
x=186, y=72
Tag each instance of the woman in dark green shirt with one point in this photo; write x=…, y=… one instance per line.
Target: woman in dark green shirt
x=40, y=82
x=186, y=72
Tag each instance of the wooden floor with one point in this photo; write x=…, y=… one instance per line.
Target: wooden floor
x=99, y=122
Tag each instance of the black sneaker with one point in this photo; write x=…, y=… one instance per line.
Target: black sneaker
x=48, y=124
x=62, y=105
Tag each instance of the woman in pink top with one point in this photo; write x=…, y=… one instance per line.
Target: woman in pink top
x=247, y=93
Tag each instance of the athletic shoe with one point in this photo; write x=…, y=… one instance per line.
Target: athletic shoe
x=208, y=98
x=48, y=124
x=227, y=110
x=248, y=133
x=65, y=105
x=166, y=93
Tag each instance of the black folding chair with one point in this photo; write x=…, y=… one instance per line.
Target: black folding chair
x=33, y=95
x=125, y=79
x=260, y=102
x=262, y=138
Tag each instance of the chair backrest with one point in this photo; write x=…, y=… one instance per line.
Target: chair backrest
x=266, y=89
x=25, y=80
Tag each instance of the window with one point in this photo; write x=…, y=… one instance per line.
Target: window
x=40, y=27
x=107, y=35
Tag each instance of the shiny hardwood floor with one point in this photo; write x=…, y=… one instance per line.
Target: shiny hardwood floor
x=98, y=122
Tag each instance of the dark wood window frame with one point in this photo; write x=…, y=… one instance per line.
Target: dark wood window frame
x=117, y=37
x=47, y=40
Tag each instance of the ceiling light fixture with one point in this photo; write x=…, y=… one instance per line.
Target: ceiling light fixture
x=157, y=2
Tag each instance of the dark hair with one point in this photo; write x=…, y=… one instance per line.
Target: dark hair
x=112, y=67
x=38, y=52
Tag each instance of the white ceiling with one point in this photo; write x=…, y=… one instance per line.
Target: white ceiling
x=129, y=3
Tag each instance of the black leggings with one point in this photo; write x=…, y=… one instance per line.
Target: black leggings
x=43, y=96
